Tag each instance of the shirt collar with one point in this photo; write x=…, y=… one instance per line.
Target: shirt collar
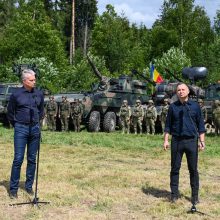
x=25, y=90
x=188, y=102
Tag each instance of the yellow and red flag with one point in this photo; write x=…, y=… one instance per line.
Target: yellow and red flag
x=155, y=75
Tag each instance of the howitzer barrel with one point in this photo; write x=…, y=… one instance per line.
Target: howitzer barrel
x=173, y=75
x=94, y=68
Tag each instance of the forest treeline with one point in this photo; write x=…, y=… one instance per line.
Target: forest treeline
x=40, y=32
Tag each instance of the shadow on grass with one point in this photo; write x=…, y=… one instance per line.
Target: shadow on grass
x=6, y=184
x=160, y=193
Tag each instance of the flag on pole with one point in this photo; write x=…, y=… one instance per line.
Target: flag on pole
x=155, y=75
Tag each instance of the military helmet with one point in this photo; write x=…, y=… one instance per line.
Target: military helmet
x=138, y=101
x=200, y=101
x=216, y=102
x=150, y=101
x=125, y=101
x=165, y=100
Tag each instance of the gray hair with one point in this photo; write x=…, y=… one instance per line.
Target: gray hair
x=27, y=72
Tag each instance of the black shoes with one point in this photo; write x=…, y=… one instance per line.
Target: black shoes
x=30, y=192
x=175, y=197
x=13, y=195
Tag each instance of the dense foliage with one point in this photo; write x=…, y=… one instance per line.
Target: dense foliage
x=36, y=30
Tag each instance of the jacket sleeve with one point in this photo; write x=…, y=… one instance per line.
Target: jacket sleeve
x=200, y=121
x=11, y=109
x=41, y=107
x=168, y=120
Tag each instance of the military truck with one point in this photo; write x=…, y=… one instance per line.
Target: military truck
x=102, y=104
x=6, y=89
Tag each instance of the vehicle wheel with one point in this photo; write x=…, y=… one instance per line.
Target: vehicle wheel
x=109, y=123
x=209, y=128
x=94, y=121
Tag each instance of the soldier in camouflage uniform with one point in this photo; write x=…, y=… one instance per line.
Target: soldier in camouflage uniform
x=203, y=109
x=51, y=110
x=81, y=105
x=125, y=115
x=216, y=116
x=64, y=113
x=163, y=115
x=150, y=117
x=76, y=114
x=137, y=116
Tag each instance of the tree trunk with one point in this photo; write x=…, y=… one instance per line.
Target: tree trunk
x=85, y=40
x=72, y=39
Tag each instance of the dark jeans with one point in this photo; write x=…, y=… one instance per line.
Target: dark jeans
x=24, y=135
x=179, y=146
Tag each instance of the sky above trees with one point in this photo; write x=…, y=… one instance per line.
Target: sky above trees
x=146, y=12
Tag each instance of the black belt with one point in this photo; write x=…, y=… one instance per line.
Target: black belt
x=29, y=123
x=184, y=137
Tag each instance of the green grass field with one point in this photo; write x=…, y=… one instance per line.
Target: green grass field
x=108, y=176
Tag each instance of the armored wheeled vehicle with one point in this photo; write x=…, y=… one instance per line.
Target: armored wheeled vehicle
x=102, y=104
x=167, y=89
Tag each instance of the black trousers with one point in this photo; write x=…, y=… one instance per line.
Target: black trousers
x=179, y=146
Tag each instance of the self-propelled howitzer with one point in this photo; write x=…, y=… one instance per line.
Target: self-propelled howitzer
x=167, y=89
x=102, y=105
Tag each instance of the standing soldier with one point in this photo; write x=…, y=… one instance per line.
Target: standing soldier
x=163, y=115
x=216, y=116
x=81, y=105
x=125, y=114
x=51, y=113
x=150, y=117
x=203, y=109
x=137, y=116
x=64, y=113
x=76, y=114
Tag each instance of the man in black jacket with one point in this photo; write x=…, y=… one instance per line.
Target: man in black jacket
x=25, y=110
x=186, y=125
